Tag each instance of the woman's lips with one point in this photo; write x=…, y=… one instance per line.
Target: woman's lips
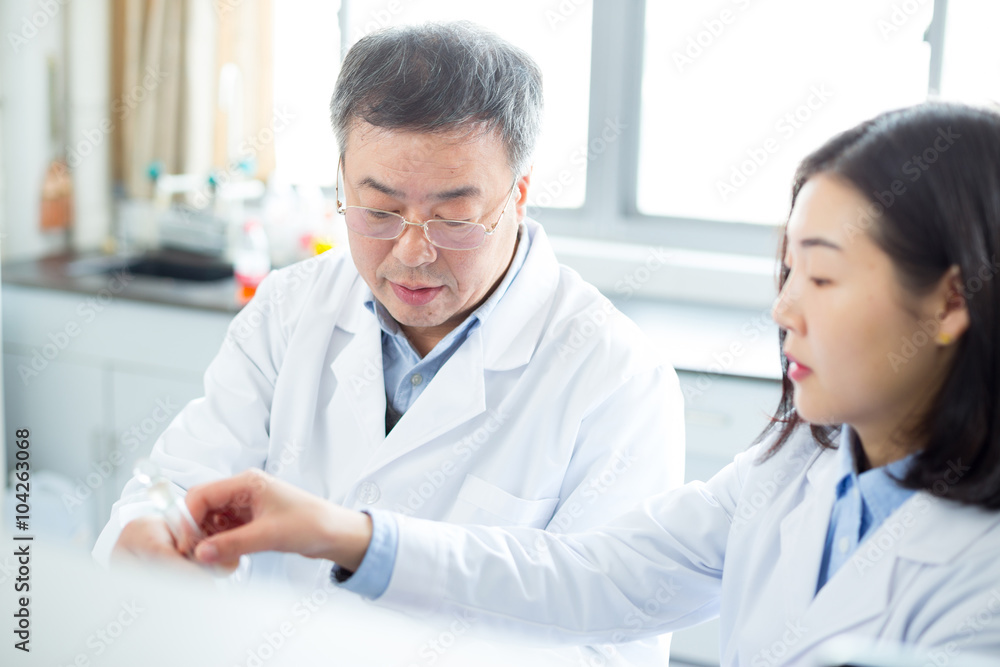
x=415, y=296
x=797, y=371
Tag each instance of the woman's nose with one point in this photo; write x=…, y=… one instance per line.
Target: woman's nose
x=785, y=311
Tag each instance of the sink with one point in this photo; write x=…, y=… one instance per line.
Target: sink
x=180, y=265
x=165, y=263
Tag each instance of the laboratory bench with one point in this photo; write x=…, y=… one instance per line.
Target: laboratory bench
x=96, y=364
x=95, y=274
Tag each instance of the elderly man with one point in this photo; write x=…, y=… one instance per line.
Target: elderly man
x=448, y=367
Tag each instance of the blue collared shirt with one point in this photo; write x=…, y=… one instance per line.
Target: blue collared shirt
x=863, y=503
x=405, y=373
x=401, y=366
x=372, y=576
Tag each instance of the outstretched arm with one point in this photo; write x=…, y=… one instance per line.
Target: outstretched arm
x=652, y=570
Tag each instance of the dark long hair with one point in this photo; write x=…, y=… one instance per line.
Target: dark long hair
x=944, y=160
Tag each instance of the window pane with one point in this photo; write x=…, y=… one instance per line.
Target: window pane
x=972, y=52
x=733, y=97
x=306, y=57
x=558, y=40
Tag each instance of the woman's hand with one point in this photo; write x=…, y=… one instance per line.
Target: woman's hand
x=254, y=511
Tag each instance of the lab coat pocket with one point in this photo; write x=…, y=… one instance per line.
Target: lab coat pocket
x=482, y=503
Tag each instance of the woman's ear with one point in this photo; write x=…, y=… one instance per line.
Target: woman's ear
x=952, y=309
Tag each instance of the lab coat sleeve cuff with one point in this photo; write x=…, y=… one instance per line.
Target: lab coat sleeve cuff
x=372, y=576
x=423, y=558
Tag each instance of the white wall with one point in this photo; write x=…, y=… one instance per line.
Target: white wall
x=3, y=425
x=33, y=31
x=89, y=61
x=27, y=148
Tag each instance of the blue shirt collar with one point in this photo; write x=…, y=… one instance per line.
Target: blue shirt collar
x=476, y=318
x=880, y=491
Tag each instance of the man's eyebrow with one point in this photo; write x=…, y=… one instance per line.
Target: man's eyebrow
x=458, y=193
x=447, y=195
x=817, y=241
x=369, y=182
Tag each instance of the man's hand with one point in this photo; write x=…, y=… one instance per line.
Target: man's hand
x=256, y=512
x=148, y=538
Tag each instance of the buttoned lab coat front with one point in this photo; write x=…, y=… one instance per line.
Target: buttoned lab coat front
x=556, y=412
x=748, y=542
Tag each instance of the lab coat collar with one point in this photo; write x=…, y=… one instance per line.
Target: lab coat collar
x=391, y=326
x=924, y=529
x=457, y=395
x=358, y=370
x=505, y=341
x=825, y=470
x=818, y=616
x=517, y=323
x=354, y=316
x=801, y=543
x=955, y=528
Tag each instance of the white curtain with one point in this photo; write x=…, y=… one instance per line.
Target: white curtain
x=168, y=56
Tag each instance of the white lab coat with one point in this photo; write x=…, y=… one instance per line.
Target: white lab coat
x=748, y=542
x=555, y=413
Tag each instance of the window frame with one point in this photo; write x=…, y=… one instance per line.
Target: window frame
x=727, y=263
x=610, y=210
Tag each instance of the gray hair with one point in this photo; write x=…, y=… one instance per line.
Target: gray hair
x=438, y=77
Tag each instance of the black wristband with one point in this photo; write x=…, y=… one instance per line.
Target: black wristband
x=339, y=575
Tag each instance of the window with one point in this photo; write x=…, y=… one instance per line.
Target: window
x=971, y=61
x=680, y=124
x=734, y=95
x=558, y=40
x=306, y=63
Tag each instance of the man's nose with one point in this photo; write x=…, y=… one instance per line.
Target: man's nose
x=412, y=247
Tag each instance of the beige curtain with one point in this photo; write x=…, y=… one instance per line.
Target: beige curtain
x=166, y=63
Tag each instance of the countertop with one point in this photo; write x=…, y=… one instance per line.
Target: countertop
x=94, y=274
x=694, y=337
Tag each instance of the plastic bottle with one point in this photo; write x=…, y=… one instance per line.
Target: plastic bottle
x=251, y=260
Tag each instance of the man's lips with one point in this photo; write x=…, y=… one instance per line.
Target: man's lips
x=415, y=295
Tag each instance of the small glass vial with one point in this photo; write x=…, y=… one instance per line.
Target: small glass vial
x=170, y=505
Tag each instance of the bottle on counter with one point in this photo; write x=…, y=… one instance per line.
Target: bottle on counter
x=251, y=260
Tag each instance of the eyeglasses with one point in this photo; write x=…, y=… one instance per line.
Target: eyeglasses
x=447, y=234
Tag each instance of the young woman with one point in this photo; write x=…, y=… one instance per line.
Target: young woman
x=868, y=507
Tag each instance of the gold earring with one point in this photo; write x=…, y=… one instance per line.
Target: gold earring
x=943, y=339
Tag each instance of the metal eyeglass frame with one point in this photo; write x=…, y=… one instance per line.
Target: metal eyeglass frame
x=342, y=210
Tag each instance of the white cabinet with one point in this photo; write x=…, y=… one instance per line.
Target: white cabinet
x=723, y=415
x=142, y=404
x=63, y=413
x=97, y=387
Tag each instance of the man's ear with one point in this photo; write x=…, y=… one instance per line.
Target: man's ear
x=952, y=308
x=521, y=205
